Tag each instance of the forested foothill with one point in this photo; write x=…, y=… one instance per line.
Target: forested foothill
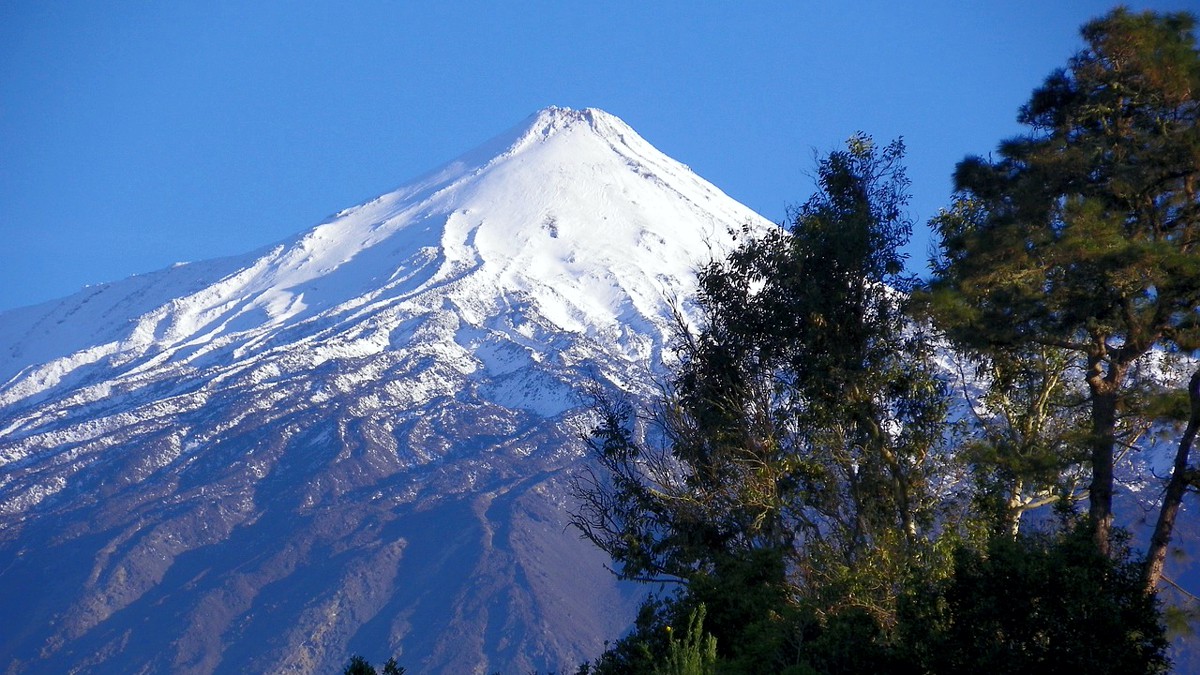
x=852, y=469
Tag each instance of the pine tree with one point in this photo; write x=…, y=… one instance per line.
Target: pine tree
x=1082, y=235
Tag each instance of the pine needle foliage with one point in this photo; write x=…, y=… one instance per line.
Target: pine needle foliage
x=1082, y=235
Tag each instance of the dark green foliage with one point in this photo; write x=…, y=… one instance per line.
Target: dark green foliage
x=803, y=429
x=1082, y=235
x=808, y=355
x=690, y=651
x=635, y=652
x=763, y=645
x=1036, y=603
x=804, y=421
x=790, y=483
x=360, y=666
x=747, y=603
x=1025, y=442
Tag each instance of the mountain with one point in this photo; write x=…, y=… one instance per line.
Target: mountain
x=357, y=440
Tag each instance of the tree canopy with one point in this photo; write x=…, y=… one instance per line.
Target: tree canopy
x=799, y=479
x=1081, y=236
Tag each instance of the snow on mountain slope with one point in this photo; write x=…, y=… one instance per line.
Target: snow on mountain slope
x=354, y=440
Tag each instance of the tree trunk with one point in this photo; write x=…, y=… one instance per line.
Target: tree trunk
x=1104, y=389
x=1013, y=513
x=1157, y=555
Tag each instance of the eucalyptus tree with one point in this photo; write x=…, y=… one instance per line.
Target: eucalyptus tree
x=794, y=453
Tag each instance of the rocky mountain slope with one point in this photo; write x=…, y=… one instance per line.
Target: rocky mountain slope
x=353, y=441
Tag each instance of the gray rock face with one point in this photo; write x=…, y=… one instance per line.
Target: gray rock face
x=354, y=441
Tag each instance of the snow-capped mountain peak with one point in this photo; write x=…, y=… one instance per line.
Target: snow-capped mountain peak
x=572, y=208
x=353, y=440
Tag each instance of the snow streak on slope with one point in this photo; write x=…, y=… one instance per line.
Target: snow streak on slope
x=354, y=440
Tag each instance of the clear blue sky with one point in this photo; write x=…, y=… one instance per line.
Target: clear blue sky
x=137, y=134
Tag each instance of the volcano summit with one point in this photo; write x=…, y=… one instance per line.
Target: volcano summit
x=356, y=440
